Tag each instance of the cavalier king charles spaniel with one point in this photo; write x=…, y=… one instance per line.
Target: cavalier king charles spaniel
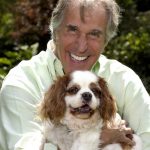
x=74, y=111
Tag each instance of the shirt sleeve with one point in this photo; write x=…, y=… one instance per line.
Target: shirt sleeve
x=17, y=117
x=21, y=91
x=137, y=109
x=133, y=101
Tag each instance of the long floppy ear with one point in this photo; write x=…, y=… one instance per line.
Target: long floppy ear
x=53, y=106
x=107, y=106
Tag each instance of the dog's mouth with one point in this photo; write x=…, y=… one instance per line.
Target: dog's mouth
x=83, y=112
x=83, y=109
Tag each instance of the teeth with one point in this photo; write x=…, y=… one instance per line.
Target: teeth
x=78, y=58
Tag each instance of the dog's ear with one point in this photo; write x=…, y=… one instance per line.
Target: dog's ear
x=107, y=106
x=53, y=106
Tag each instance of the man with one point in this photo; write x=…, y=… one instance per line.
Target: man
x=80, y=30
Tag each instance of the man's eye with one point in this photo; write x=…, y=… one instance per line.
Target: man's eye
x=72, y=29
x=95, y=34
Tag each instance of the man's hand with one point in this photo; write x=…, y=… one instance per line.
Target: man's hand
x=122, y=135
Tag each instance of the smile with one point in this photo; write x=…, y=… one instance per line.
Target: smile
x=74, y=57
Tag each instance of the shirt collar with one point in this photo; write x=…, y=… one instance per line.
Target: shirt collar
x=55, y=62
x=96, y=67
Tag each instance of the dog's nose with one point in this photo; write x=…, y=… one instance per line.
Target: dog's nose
x=87, y=97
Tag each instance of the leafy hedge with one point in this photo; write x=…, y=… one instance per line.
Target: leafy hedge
x=133, y=47
x=24, y=32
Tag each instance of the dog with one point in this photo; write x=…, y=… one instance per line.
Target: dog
x=74, y=111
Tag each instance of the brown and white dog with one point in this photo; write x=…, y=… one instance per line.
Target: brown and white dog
x=75, y=109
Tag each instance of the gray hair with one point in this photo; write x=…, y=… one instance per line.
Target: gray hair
x=111, y=7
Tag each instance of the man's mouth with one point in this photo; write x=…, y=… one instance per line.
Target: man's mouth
x=78, y=58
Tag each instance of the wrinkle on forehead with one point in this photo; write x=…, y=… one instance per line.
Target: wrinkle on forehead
x=86, y=7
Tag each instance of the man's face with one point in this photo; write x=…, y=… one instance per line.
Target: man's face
x=79, y=43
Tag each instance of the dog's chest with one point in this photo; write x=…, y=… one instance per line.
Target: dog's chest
x=82, y=139
x=87, y=140
x=60, y=136
x=75, y=140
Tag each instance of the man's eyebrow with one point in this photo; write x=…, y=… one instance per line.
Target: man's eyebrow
x=70, y=26
x=97, y=31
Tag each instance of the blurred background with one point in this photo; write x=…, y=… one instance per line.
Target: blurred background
x=24, y=32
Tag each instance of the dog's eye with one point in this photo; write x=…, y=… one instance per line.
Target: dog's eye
x=73, y=90
x=96, y=91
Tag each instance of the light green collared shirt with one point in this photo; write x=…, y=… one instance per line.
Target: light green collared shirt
x=25, y=85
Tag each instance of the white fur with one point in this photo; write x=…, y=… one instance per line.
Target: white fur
x=77, y=77
x=81, y=139
x=85, y=138
x=81, y=134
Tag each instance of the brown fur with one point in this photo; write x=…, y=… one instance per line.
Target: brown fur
x=53, y=106
x=107, y=103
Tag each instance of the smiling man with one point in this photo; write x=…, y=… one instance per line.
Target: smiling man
x=80, y=31
x=80, y=38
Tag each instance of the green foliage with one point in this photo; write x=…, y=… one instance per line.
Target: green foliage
x=5, y=6
x=32, y=19
x=12, y=58
x=133, y=47
x=5, y=24
x=26, y=23
x=10, y=52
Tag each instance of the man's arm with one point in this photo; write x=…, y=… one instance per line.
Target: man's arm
x=17, y=118
x=137, y=110
x=133, y=103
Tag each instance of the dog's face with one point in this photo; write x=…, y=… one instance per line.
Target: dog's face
x=81, y=94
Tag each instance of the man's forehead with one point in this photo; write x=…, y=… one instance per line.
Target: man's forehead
x=85, y=8
x=85, y=4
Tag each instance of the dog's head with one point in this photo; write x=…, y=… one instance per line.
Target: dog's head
x=81, y=94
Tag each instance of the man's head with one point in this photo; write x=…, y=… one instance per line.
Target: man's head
x=81, y=29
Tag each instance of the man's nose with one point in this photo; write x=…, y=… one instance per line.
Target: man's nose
x=82, y=43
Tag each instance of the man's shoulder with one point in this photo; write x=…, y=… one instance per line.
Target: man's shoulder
x=34, y=61
x=31, y=72
x=112, y=69
x=113, y=65
x=28, y=66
